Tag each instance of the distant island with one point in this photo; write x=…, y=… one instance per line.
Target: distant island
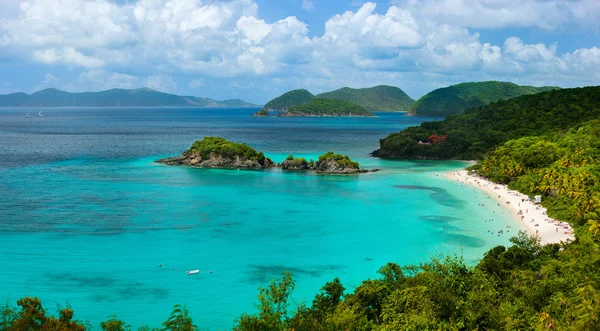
x=217, y=152
x=288, y=100
x=455, y=99
x=327, y=107
x=343, y=102
x=143, y=97
x=377, y=98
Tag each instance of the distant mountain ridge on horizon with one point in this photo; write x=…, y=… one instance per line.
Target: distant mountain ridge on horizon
x=141, y=97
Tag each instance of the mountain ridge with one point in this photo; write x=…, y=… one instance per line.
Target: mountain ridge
x=376, y=98
x=116, y=97
x=455, y=99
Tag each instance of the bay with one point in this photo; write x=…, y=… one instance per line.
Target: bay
x=87, y=217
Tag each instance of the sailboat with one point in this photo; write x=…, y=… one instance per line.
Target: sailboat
x=27, y=115
x=40, y=113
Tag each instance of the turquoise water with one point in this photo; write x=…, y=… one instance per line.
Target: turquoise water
x=86, y=217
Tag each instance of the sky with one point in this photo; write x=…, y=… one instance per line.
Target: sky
x=257, y=49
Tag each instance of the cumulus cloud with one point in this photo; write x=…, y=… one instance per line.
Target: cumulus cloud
x=544, y=14
x=430, y=42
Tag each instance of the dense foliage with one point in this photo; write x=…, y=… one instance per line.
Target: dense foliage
x=342, y=160
x=31, y=316
x=289, y=99
x=455, y=99
x=220, y=147
x=473, y=133
x=562, y=167
x=262, y=113
x=143, y=97
x=328, y=107
x=292, y=162
x=377, y=98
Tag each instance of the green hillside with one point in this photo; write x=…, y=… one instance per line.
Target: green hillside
x=289, y=99
x=468, y=136
x=377, y=98
x=143, y=97
x=327, y=107
x=455, y=99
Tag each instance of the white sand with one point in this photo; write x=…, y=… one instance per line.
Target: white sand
x=531, y=216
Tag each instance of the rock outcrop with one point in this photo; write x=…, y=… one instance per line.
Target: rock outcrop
x=216, y=161
x=297, y=164
x=331, y=163
x=215, y=152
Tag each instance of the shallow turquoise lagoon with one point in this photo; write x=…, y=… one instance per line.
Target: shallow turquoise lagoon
x=91, y=228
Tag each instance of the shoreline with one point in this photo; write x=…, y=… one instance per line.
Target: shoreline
x=530, y=216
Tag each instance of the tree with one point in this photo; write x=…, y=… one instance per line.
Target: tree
x=272, y=306
x=114, y=324
x=180, y=320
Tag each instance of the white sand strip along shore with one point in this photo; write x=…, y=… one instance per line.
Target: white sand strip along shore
x=532, y=216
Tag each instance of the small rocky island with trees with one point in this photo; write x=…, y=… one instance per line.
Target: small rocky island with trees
x=216, y=152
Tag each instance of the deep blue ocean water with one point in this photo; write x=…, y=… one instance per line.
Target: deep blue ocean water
x=86, y=217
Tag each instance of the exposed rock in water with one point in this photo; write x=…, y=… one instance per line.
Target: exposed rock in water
x=297, y=164
x=331, y=163
x=261, y=113
x=214, y=152
x=216, y=161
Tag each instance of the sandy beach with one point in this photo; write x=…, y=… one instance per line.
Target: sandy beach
x=532, y=217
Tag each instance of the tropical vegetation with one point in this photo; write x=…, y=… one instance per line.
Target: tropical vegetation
x=221, y=147
x=32, y=316
x=288, y=100
x=328, y=107
x=455, y=99
x=473, y=133
x=377, y=98
x=341, y=160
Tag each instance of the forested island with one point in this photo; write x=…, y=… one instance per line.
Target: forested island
x=377, y=98
x=318, y=107
x=455, y=99
x=217, y=152
x=288, y=100
x=328, y=163
x=343, y=102
x=327, y=107
x=143, y=97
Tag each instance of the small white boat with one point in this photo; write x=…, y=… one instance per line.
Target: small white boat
x=40, y=113
x=27, y=115
x=191, y=272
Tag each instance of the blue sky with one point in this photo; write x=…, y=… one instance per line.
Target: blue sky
x=258, y=49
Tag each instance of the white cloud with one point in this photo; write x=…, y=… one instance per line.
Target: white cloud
x=148, y=42
x=543, y=14
x=67, y=56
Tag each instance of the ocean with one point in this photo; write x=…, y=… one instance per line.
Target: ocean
x=87, y=217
